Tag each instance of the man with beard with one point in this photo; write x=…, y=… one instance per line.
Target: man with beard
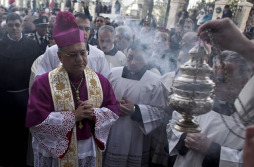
x=216, y=145
x=124, y=38
x=16, y=58
x=162, y=56
x=107, y=37
x=28, y=25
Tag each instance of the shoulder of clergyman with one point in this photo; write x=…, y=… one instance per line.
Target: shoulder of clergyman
x=42, y=79
x=102, y=79
x=156, y=78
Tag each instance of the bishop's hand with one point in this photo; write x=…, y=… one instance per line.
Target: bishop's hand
x=197, y=142
x=126, y=107
x=84, y=110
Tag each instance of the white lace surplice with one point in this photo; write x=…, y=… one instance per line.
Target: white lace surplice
x=129, y=141
x=50, y=141
x=214, y=128
x=118, y=60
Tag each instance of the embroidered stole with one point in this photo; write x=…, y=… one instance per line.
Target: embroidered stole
x=63, y=101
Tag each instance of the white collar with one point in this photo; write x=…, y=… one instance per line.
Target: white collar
x=112, y=47
x=13, y=39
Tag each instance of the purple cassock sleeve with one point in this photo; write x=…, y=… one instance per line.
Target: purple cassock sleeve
x=40, y=103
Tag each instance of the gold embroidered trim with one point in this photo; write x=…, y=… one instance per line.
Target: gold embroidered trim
x=95, y=95
x=94, y=89
x=63, y=101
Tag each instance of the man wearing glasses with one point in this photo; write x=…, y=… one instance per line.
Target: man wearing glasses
x=100, y=21
x=96, y=58
x=71, y=109
x=18, y=52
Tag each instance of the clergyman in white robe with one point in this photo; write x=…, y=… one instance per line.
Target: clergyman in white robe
x=115, y=57
x=159, y=137
x=129, y=141
x=95, y=60
x=214, y=128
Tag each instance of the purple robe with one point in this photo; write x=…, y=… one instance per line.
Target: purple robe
x=40, y=103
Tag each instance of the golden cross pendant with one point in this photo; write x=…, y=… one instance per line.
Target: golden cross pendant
x=80, y=125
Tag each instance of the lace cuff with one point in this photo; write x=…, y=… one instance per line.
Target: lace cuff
x=104, y=119
x=52, y=132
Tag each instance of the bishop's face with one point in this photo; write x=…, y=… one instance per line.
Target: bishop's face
x=135, y=60
x=73, y=58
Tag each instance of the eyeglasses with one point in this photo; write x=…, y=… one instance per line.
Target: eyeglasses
x=84, y=28
x=83, y=53
x=11, y=25
x=99, y=21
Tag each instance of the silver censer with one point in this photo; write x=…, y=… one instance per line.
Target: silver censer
x=192, y=90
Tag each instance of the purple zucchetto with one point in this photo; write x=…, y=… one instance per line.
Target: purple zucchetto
x=66, y=31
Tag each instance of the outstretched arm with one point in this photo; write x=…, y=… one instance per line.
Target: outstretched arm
x=222, y=30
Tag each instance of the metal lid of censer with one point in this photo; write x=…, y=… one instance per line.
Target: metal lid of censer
x=192, y=90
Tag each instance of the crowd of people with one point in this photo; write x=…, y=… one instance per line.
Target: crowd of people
x=78, y=91
x=201, y=17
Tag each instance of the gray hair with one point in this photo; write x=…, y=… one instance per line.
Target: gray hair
x=233, y=58
x=125, y=32
x=109, y=29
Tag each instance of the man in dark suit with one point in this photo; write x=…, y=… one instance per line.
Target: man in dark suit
x=227, y=12
x=40, y=34
x=100, y=21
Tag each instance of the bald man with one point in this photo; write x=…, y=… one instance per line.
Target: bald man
x=28, y=24
x=186, y=44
